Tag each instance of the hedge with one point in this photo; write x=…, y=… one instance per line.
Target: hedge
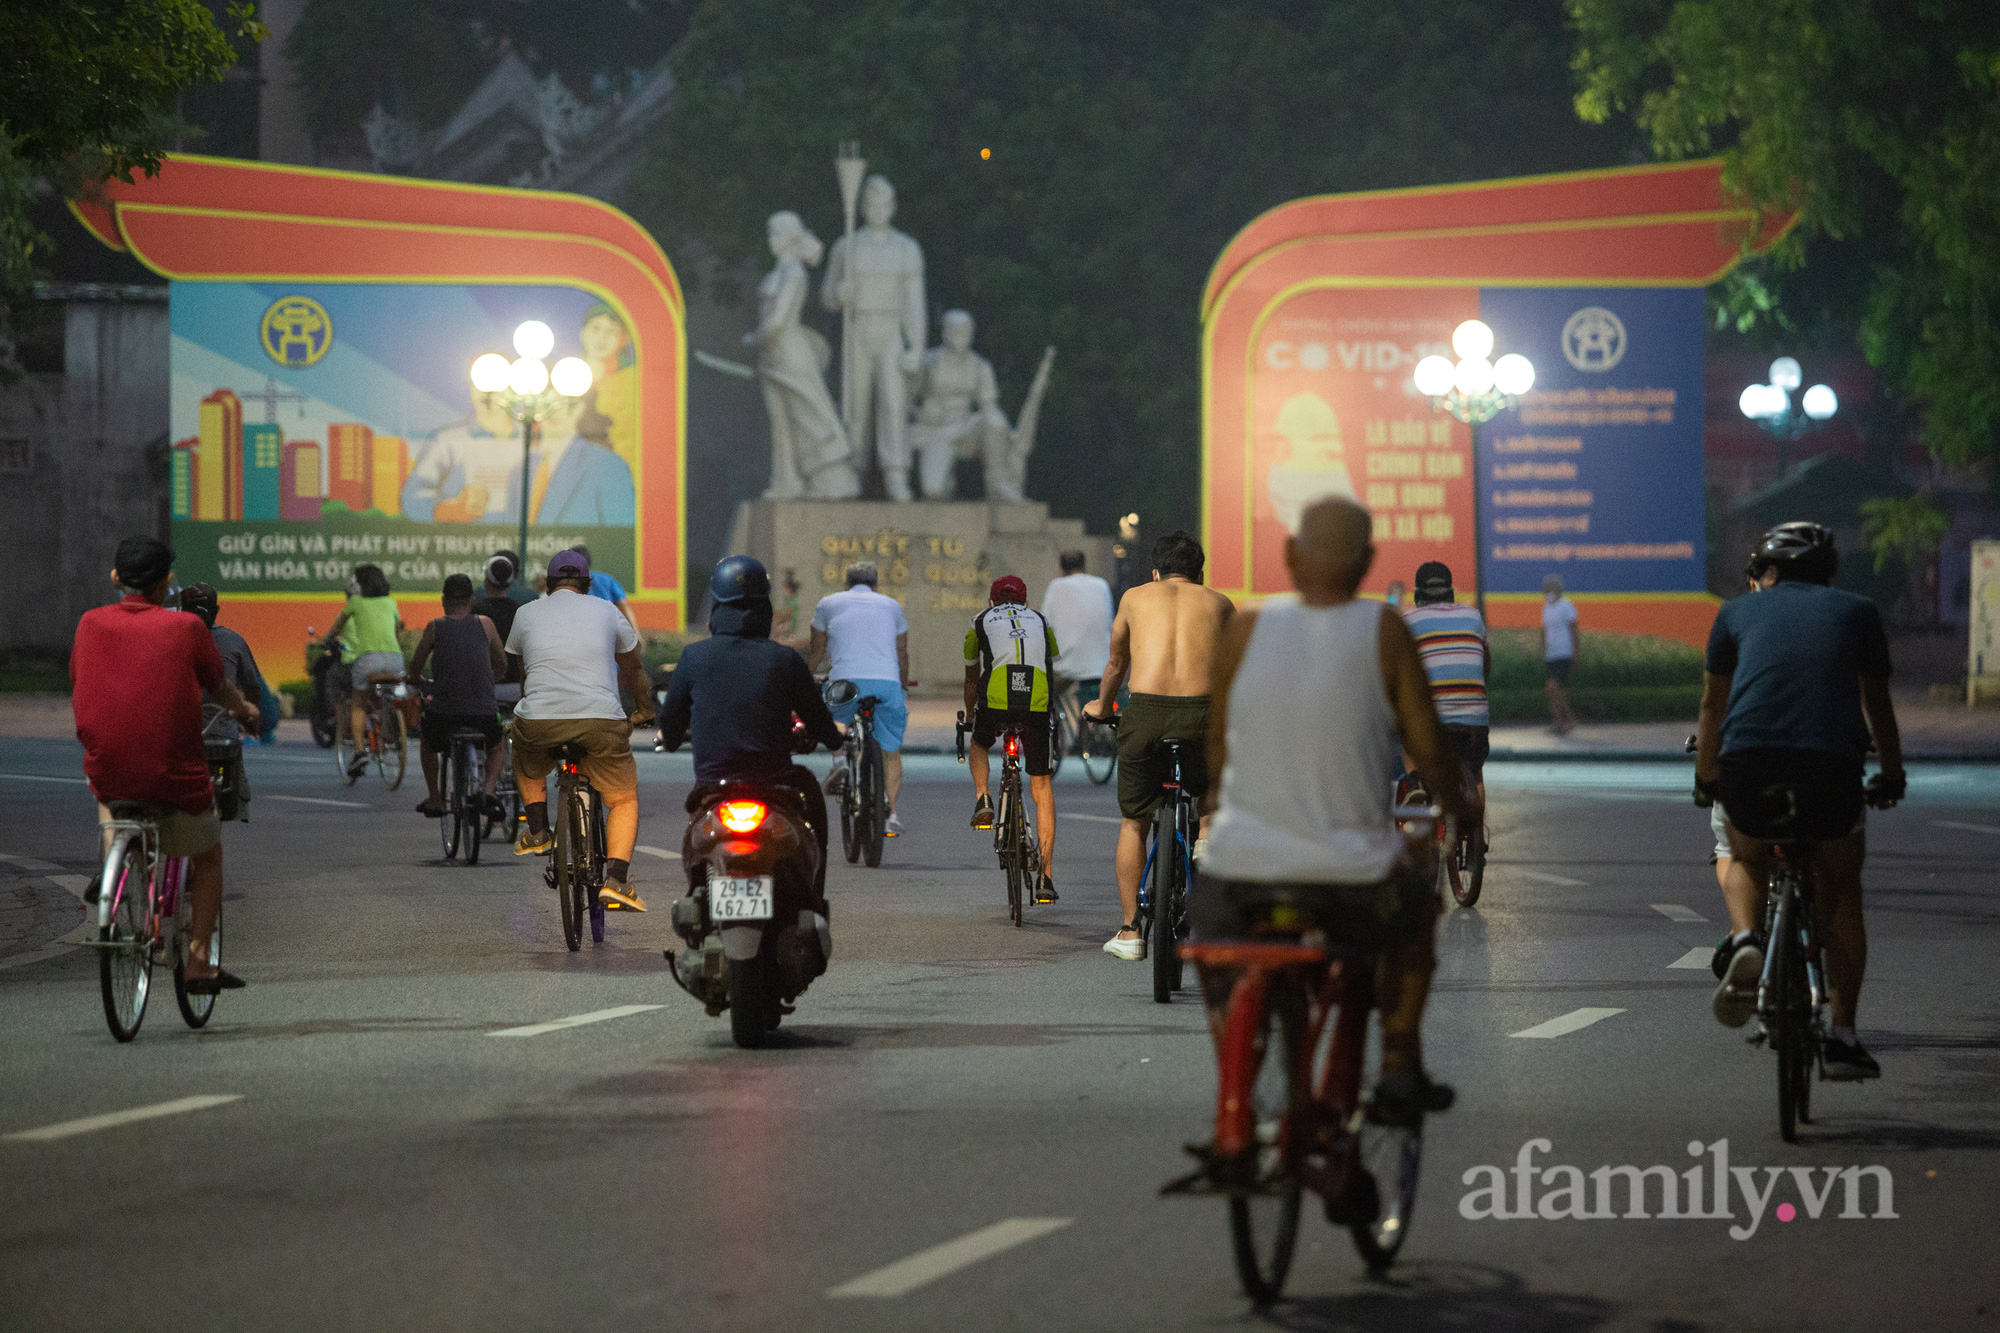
x=1617, y=678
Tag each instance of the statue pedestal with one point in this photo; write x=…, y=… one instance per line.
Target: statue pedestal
x=937, y=558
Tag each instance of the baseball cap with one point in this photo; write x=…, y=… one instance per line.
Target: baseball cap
x=1007, y=588
x=1434, y=575
x=569, y=565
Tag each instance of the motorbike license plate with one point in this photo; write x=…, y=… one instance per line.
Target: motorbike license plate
x=731, y=900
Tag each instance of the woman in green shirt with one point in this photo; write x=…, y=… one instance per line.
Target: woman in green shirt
x=371, y=645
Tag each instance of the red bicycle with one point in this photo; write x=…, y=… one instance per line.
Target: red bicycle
x=1290, y=1114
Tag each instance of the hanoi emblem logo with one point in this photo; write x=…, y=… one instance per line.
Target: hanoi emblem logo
x=1594, y=339
x=296, y=331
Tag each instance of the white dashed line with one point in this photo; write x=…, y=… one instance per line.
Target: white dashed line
x=1546, y=878
x=1095, y=819
x=1969, y=828
x=575, y=1020
x=1568, y=1023
x=906, y=1275
x=91, y=1124
x=1675, y=912
x=660, y=852
x=1694, y=958
x=40, y=777
x=314, y=800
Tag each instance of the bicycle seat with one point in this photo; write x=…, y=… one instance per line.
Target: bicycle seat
x=469, y=734
x=139, y=811
x=385, y=678
x=568, y=752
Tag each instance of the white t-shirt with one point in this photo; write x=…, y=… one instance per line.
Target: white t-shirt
x=861, y=626
x=568, y=641
x=1559, y=624
x=1078, y=608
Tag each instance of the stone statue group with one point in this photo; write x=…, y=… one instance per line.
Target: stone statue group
x=918, y=408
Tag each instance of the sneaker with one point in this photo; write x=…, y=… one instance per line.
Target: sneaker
x=90, y=890
x=616, y=897
x=531, y=843
x=431, y=808
x=894, y=828
x=1403, y=1100
x=1132, y=951
x=1739, y=964
x=1045, y=891
x=836, y=782
x=1200, y=852
x=357, y=766
x=982, y=812
x=1846, y=1062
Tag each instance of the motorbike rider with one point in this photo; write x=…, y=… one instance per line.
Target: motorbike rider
x=738, y=690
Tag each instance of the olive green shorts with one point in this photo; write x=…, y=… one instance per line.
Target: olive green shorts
x=1143, y=722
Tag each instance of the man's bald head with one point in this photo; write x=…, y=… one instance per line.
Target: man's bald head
x=1332, y=550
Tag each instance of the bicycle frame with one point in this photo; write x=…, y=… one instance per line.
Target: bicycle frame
x=856, y=745
x=1791, y=887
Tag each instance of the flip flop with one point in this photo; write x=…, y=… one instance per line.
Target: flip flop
x=214, y=985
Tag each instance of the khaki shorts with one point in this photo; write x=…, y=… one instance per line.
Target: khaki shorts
x=607, y=750
x=181, y=834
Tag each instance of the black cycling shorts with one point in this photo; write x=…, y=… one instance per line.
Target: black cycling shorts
x=988, y=723
x=1776, y=794
x=436, y=728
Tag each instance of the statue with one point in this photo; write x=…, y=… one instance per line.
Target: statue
x=810, y=453
x=958, y=416
x=875, y=277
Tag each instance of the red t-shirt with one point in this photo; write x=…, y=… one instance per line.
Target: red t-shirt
x=138, y=671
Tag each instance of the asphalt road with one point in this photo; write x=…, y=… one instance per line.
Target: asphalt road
x=389, y=1162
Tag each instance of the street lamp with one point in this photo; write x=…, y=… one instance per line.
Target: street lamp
x=1771, y=406
x=528, y=388
x=1475, y=390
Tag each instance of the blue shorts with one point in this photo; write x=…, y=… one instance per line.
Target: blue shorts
x=892, y=714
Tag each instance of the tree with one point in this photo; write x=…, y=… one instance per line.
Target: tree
x=1128, y=140
x=88, y=96
x=1879, y=121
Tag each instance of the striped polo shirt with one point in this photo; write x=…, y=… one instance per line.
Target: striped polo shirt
x=1451, y=639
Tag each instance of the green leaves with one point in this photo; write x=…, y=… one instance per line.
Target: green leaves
x=1908, y=529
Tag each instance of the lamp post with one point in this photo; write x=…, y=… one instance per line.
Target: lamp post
x=1475, y=390
x=1771, y=406
x=528, y=388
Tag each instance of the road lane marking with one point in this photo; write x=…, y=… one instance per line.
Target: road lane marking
x=1095, y=819
x=575, y=1020
x=1569, y=1022
x=316, y=800
x=660, y=852
x=1675, y=912
x=926, y=1266
x=91, y=1124
x=30, y=863
x=40, y=777
x=1693, y=958
x=1546, y=878
x=1969, y=828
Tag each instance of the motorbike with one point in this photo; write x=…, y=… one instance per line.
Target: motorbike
x=754, y=940
x=326, y=694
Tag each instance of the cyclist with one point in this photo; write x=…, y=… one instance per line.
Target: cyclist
x=138, y=673
x=737, y=692
x=1079, y=610
x=370, y=647
x=1307, y=777
x=1164, y=638
x=1797, y=679
x=1007, y=655
x=610, y=589
x=1451, y=641
x=870, y=642
x=469, y=655
x=241, y=669
x=572, y=652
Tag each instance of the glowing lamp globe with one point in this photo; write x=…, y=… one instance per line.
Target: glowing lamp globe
x=571, y=376
x=1785, y=373
x=1434, y=376
x=1472, y=340
x=489, y=373
x=534, y=340
x=1475, y=377
x=1514, y=374
x=527, y=377
x=1819, y=402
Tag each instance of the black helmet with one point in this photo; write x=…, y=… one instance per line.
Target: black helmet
x=1799, y=551
x=738, y=579
x=200, y=599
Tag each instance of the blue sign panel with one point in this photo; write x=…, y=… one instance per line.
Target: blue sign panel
x=1597, y=476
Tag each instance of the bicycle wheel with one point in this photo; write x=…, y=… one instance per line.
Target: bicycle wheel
x=874, y=804
x=587, y=835
x=753, y=1001
x=1471, y=866
x=1061, y=736
x=125, y=945
x=346, y=745
x=850, y=826
x=564, y=866
x=393, y=755
x=471, y=802
x=1391, y=1157
x=1098, y=747
x=1169, y=892
x=1788, y=1037
x=1264, y=1212
x=195, y=1009
x=449, y=826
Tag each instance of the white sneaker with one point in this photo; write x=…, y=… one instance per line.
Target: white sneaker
x=894, y=828
x=1132, y=951
x=1736, y=998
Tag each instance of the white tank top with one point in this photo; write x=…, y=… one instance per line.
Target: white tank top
x=1309, y=788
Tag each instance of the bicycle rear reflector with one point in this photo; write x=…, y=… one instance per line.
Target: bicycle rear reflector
x=741, y=816
x=1013, y=747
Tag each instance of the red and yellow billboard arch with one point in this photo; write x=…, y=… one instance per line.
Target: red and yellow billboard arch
x=1360, y=284
x=216, y=220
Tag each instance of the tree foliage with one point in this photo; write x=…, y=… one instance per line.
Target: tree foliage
x=1129, y=139
x=1879, y=120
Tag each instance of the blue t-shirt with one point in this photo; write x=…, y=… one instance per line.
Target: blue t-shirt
x=603, y=585
x=1797, y=653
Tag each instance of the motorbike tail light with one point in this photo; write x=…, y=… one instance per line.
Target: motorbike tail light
x=1013, y=747
x=742, y=816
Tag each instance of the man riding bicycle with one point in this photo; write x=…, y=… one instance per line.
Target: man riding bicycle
x=737, y=692
x=1079, y=611
x=466, y=655
x=1164, y=640
x=1007, y=655
x=1312, y=695
x=572, y=653
x=137, y=673
x=1451, y=641
x=1797, y=680
x=239, y=666
x=870, y=642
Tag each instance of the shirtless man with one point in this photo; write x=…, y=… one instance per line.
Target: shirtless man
x=1164, y=639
